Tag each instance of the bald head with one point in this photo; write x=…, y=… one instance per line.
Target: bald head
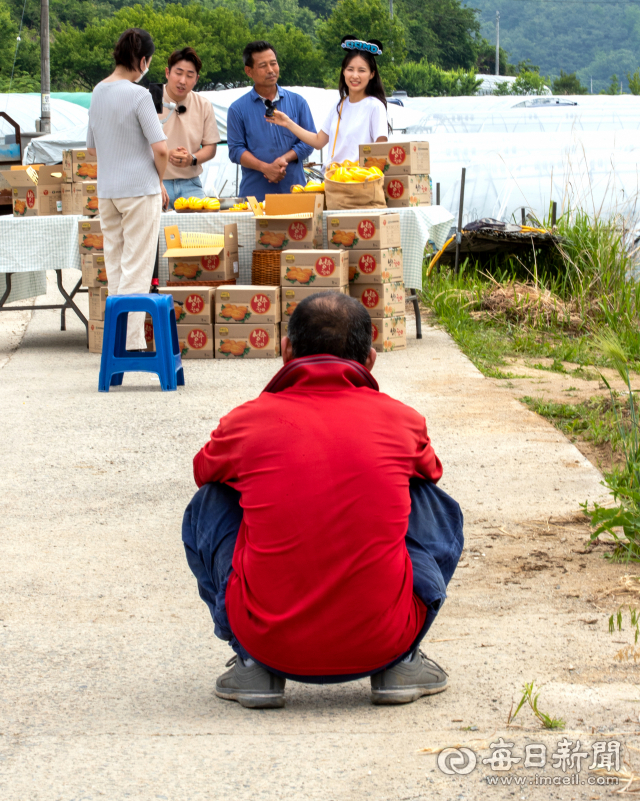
x=332, y=323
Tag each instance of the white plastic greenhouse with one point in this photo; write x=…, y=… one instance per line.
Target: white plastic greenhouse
x=581, y=151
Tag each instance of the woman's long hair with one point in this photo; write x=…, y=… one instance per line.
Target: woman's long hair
x=374, y=88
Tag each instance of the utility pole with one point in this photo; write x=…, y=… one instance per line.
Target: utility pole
x=592, y=84
x=45, y=72
x=497, y=43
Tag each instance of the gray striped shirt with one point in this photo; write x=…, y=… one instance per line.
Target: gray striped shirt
x=123, y=125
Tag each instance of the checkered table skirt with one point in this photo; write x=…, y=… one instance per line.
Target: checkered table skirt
x=32, y=245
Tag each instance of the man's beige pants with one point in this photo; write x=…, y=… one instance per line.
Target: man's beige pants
x=130, y=228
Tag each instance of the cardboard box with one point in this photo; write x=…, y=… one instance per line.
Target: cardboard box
x=95, y=334
x=205, y=263
x=247, y=341
x=402, y=191
x=80, y=198
x=317, y=268
x=94, y=271
x=397, y=158
x=97, y=302
x=35, y=193
x=388, y=333
x=292, y=296
x=376, y=266
x=284, y=330
x=248, y=304
x=196, y=341
x=148, y=332
x=380, y=300
x=77, y=165
x=289, y=221
x=373, y=230
x=90, y=238
x=88, y=198
x=193, y=305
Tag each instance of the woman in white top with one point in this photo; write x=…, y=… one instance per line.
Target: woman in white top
x=360, y=116
x=131, y=148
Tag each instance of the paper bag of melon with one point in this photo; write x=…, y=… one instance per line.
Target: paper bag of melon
x=349, y=186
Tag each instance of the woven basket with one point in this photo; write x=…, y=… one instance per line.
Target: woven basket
x=229, y=281
x=265, y=267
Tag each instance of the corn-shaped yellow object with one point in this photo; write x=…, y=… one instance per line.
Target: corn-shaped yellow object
x=296, y=188
x=351, y=173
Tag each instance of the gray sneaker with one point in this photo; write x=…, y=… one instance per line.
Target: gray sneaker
x=408, y=681
x=251, y=686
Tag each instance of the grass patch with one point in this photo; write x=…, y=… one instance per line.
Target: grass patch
x=594, y=420
x=577, y=302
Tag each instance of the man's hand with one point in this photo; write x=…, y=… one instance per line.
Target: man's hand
x=180, y=157
x=275, y=172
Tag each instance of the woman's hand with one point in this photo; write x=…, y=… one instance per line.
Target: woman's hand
x=279, y=118
x=165, y=198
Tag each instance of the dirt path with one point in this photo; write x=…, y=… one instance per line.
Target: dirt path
x=108, y=655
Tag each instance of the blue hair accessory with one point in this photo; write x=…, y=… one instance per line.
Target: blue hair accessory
x=358, y=44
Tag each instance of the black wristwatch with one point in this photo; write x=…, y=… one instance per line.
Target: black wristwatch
x=194, y=160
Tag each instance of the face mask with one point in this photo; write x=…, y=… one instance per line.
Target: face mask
x=142, y=74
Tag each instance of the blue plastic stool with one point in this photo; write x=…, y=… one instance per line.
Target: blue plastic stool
x=117, y=360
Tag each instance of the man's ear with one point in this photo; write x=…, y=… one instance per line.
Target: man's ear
x=371, y=359
x=166, y=72
x=248, y=71
x=287, y=350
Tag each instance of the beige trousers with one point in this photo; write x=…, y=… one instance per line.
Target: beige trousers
x=130, y=228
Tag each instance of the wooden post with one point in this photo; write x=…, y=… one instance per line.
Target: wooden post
x=437, y=194
x=524, y=219
x=554, y=213
x=459, y=231
x=45, y=71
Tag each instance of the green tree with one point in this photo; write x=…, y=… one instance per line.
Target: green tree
x=526, y=83
x=368, y=19
x=429, y=80
x=486, y=60
x=20, y=84
x=442, y=31
x=301, y=63
x=8, y=34
x=568, y=85
x=614, y=87
x=80, y=59
x=634, y=82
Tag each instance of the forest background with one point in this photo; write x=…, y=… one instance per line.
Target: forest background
x=431, y=47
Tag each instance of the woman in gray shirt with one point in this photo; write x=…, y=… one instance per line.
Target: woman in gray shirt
x=131, y=150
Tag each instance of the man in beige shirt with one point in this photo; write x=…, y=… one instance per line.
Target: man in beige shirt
x=191, y=129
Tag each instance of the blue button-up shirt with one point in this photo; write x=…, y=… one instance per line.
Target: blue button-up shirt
x=247, y=130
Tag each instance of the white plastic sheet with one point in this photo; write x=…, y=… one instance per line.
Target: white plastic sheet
x=25, y=110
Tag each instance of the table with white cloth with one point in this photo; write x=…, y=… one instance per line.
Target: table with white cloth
x=28, y=247
x=418, y=226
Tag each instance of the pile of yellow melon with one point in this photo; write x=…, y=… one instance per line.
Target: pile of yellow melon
x=351, y=173
x=312, y=186
x=197, y=203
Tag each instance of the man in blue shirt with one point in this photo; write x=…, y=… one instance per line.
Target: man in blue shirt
x=271, y=156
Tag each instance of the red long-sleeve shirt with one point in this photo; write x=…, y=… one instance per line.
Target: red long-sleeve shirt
x=322, y=583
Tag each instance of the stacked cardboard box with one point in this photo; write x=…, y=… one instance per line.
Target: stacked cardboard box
x=375, y=270
x=406, y=167
x=35, y=193
x=305, y=272
x=204, y=264
x=194, y=309
x=79, y=188
x=288, y=221
x=247, y=322
x=94, y=277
